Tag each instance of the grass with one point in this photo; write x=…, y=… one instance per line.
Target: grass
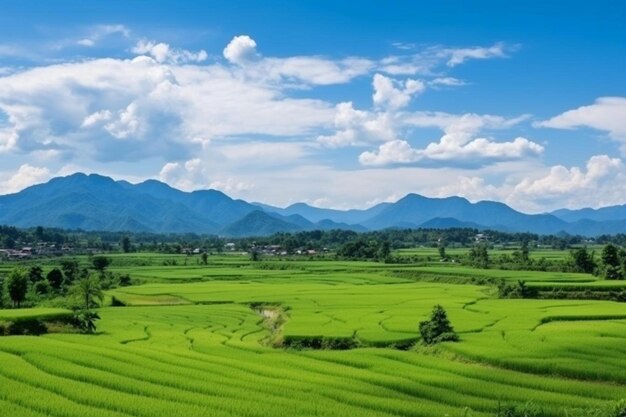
x=191, y=341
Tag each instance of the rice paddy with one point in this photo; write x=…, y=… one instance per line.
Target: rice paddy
x=197, y=340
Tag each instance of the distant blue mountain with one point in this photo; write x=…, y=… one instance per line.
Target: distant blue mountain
x=316, y=214
x=95, y=202
x=603, y=214
x=415, y=210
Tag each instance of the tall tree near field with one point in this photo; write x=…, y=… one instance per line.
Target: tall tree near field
x=70, y=269
x=126, y=246
x=205, y=258
x=55, y=278
x=384, y=250
x=611, y=262
x=583, y=260
x=16, y=286
x=479, y=256
x=87, y=291
x=442, y=250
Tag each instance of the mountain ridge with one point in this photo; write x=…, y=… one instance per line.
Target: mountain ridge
x=97, y=202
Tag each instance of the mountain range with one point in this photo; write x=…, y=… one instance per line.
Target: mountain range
x=95, y=202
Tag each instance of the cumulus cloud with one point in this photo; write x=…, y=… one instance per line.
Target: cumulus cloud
x=163, y=52
x=358, y=127
x=190, y=175
x=458, y=144
x=241, y=50
x=25, y=176
x=387, y=94
x=607, y=114
x=392, y=152
x=567, y=181
x=156, y=108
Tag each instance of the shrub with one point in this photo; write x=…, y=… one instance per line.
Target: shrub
x=438, y=329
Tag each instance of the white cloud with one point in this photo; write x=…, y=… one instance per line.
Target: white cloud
x=386, y=94
x=190, y=175
x=358, y=127
x=163, y=52
x=392, y=152
x=562, y=181
x=25, y=176
x=157, y=108
x=98, y=32
x=446, y=81
x=457, y=145
x=241, y=50
x=457, y=56
x=314, y=70
x=607, y=114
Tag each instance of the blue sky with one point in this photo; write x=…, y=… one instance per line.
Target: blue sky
x=339, y=104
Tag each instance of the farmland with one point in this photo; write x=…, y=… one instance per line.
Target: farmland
x=211, y=340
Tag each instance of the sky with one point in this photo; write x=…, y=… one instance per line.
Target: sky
x=337, y=104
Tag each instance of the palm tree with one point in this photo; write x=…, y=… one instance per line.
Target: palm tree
x=88, y=290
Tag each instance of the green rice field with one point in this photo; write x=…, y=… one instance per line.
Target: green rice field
x=195, y=340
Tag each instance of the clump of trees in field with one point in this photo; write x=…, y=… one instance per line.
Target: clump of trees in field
x=364, y=249
x=28, y=286
x=438, y=328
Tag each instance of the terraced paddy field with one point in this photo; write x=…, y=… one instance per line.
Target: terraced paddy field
x=210, y=341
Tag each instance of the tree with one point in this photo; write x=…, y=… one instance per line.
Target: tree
x=70, y=269
x=438, y=328
x=35, y=274
x=442, y=251
x=16, y=286
x=87, y=291
x=55, y=278
x=611, y=262
x=42, y=287
x=86, y=320
x=126, y=246
x=205, y=258
x=255, y=256
x=524, y=251
x=384, y=250
x=583, y=260
x=479, y=257
x=100, y=263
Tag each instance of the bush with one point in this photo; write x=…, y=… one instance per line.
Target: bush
x=438, y=329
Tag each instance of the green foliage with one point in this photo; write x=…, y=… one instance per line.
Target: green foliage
x=126, y=245
x=520, y=289
x=100, y=263
x=88, y=292
x=613, y=262
x=55, y=278
x=42, y=287
x=583, y=260
x=35, y=274
x=438, y=329
x=85, y=320
x=71, y=269
x=479, y=256
x=16, y=286
x=365, y=249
